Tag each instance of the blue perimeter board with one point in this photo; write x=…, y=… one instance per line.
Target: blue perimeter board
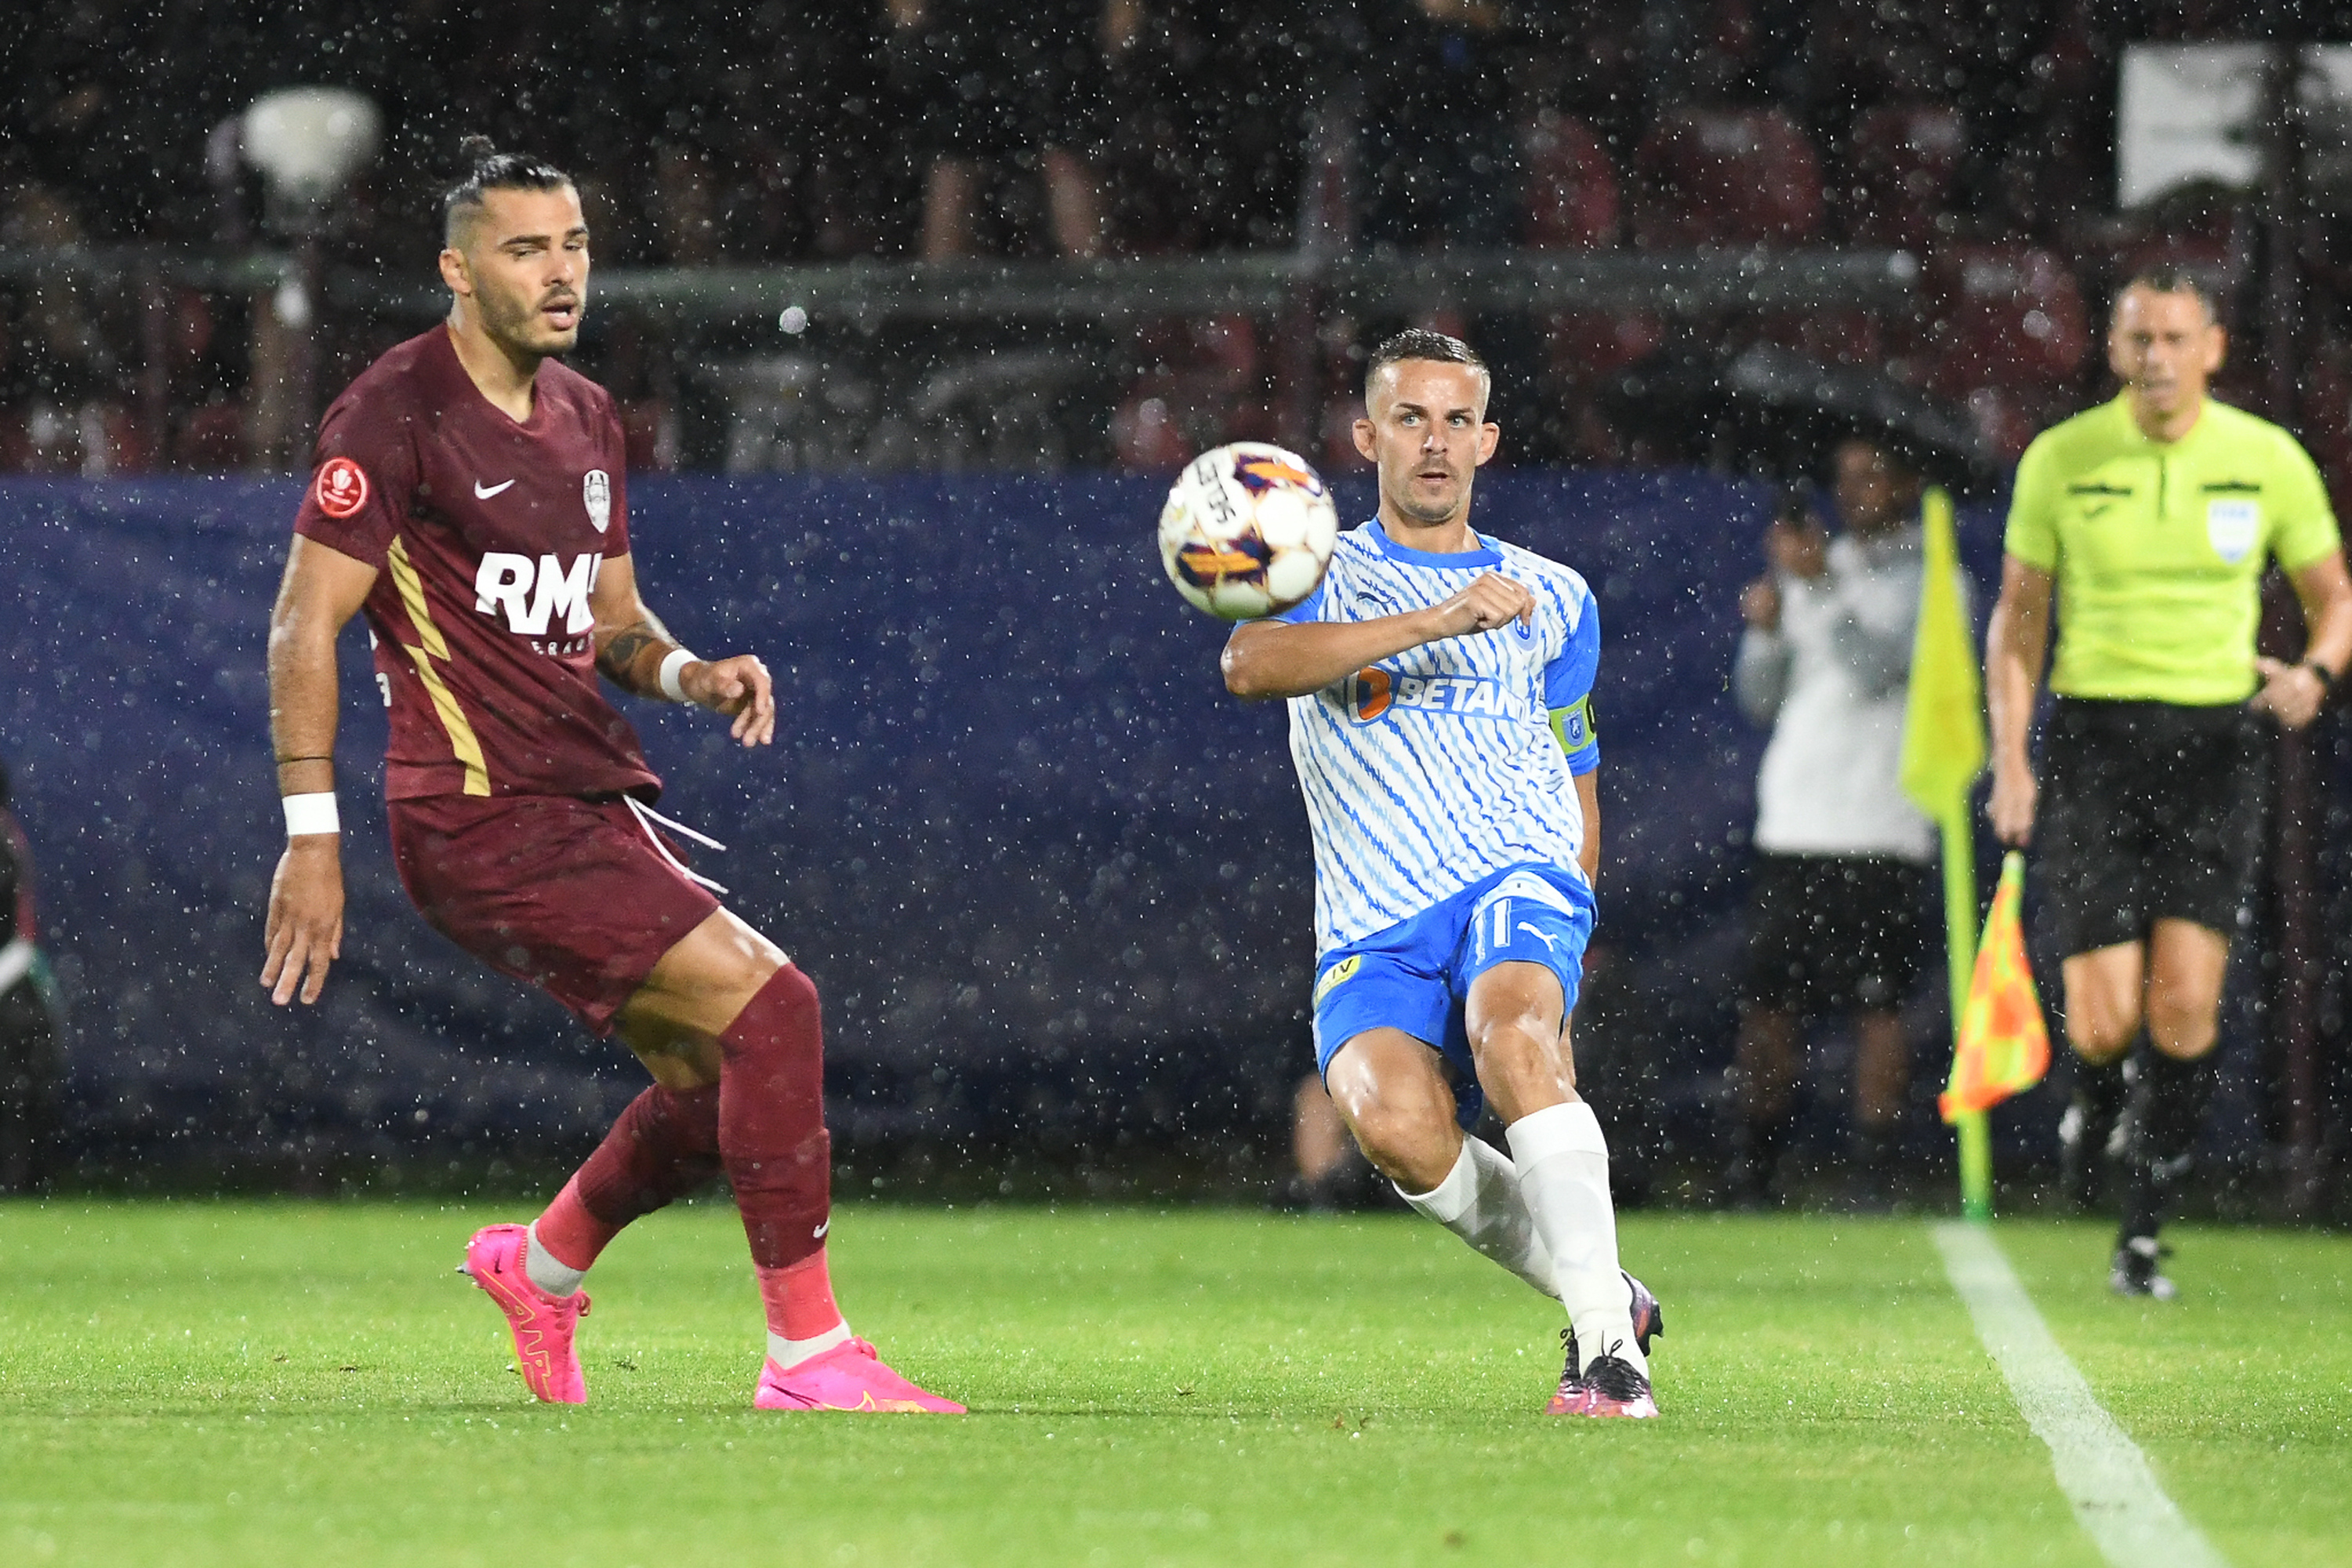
x=1011, y=818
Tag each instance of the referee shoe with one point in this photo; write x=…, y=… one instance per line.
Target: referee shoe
x=2135, y=1271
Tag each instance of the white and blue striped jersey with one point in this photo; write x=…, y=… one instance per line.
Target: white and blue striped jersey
x=1440, y=766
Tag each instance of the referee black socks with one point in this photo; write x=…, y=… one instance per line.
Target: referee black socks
x=2168, y=1106
x=2087, y=1130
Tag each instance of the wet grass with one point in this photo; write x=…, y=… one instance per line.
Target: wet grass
x=2240, y=1391
x=255, y=1383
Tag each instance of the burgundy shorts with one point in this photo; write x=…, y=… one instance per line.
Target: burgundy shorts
x=568, y=895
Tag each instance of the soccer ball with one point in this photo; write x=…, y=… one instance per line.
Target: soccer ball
x=1248, y=531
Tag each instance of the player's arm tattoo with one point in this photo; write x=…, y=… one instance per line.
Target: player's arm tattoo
x=631, y=657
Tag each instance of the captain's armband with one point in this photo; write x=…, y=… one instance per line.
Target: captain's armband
x=1579, y=740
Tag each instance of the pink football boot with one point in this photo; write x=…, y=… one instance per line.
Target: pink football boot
x=849, y=1377
x=542, y=1323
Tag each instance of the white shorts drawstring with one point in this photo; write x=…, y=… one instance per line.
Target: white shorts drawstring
x=648, y=817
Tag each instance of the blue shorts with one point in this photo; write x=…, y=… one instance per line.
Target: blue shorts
x=1416, y=975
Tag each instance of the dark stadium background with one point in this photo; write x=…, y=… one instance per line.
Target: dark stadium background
x=1055, y=886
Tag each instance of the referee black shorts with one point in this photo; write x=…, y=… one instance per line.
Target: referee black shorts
x=1831, y=934
x=2148, y=811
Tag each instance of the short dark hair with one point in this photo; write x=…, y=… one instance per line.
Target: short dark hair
x=2169, y=278
x=487, y=169
x=1419, y=342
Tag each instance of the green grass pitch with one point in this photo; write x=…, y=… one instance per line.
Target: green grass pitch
x=211, y=1383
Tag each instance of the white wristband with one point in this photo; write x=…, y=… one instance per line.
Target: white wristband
x=677, y=660
x=309, y=814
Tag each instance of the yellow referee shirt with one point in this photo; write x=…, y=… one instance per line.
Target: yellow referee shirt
x=2158, y=547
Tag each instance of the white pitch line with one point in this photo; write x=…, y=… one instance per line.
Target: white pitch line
x=2104, y=1475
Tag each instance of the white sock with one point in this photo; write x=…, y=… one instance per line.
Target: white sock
x=546, y=1271
x=1563, y=1166
x=789, y=1354
x=1479, y=1202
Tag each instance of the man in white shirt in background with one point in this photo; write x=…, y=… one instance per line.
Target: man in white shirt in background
x=1842, y=856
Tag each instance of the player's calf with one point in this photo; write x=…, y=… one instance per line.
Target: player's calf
x=778, y=1154
x=1479, y=1201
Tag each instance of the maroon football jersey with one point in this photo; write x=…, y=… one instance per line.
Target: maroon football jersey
x=487, y=536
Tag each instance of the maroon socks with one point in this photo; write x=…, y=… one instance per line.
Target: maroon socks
x=764, y=1123
x=771, y=1132
x=665, y=1145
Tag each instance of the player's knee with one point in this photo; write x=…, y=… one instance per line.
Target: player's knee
x=1402, y=1130
x=2099, y=1048
x=2100, y=1028
x=784, y=1018
x=1521, y=1055
x=1512, y=1037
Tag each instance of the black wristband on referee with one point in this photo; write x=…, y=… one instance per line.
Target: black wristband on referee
x=2327, y=675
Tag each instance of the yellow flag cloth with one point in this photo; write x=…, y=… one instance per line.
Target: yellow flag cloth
x=2004, y=1046
x=1943, y=711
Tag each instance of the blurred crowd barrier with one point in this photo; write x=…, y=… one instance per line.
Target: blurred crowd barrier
x=141, y=358
x=1055, y=883
x=144, y=358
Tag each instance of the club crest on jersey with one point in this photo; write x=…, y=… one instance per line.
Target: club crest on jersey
x=1373, y=693
x=2232, y=526
x=596, y=490
x=341, y=488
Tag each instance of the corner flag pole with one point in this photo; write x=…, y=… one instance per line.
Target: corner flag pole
x=1960, y=951
x=1944, y=750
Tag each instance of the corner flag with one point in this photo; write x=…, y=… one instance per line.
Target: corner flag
x=1943, y=752
x=1943, y=712
x=2004, y=1045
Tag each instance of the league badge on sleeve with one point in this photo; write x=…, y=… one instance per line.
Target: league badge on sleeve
x=341, y=487
x=596, y=490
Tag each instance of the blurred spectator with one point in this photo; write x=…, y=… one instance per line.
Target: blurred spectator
x=992, y=83
x=1213, y=108
x=1724, y=176
x=1841, y=853
x=28, y=1035
x=1902, y=161
x=1440, y=155
x=55, y=366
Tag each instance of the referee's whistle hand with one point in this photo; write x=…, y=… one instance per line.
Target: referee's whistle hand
x=2290, y=693
x=2011, y=807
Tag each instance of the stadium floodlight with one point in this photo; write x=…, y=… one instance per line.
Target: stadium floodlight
x=307, y=142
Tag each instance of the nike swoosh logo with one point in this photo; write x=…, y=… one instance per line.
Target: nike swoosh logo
x=818, y=1234
x=481, y=494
